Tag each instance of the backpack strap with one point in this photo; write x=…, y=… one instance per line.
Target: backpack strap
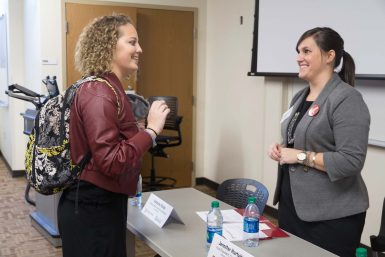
x=112, y=88
x=82, y=165
x=70, y=92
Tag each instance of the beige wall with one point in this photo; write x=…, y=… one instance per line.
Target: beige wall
x=237, y=117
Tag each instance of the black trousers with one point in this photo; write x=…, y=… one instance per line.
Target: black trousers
x=97, y=227
x=339, y=236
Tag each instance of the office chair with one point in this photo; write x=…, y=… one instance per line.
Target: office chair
x=236, y=191
x=171, y=136
x=377, y=243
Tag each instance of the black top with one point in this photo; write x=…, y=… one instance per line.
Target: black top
x=286, y=199
x=302, y=109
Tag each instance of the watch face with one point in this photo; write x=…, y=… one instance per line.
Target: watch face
x=301, y=156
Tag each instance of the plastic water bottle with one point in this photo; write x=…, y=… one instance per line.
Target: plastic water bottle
x=137, y=199
x=361, y=252
x=214, y=223
x=251, y=224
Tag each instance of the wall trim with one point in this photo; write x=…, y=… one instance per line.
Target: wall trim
x=271, y=211
x=14, y=173
x=207, y=182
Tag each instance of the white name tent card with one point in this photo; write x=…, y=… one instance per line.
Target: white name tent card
x=220, y=247
x=234, y=231
x=228, y=216
x=159, y=212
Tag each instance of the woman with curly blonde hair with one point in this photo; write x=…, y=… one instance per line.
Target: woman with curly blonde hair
x=92, y=214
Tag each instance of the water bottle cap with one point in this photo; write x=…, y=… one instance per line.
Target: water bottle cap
x=214, y=204
x=361, y=252
x=251, y=199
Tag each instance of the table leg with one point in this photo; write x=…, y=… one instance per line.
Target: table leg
x=130, y=244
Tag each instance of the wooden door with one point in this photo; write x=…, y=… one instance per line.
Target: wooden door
x=77, y=17
x=166, y=69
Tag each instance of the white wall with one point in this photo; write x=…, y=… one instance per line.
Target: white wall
x=237, y=117
x=12, y=139
x=3, y=52
x=242, y=113
x=3, y=10
x=27, y=19
x=234, y=101
x=32, y=51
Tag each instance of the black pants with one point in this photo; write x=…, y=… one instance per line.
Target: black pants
x=98, y=227
x=339, y=236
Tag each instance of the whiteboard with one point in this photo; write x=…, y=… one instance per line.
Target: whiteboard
x=280, y=24
x=373, y=92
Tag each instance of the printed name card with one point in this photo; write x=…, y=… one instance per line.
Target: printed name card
x=159, y=212
x=220, y=247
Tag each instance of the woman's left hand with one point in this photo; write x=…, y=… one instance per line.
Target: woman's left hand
x=288, y=156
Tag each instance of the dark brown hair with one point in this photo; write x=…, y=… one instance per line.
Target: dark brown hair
x=327, y=39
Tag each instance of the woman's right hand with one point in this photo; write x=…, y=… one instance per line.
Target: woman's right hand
x=274, y=152
x=157, y=115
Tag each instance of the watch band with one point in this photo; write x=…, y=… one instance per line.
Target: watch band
x=312, y=161
x=307, y=160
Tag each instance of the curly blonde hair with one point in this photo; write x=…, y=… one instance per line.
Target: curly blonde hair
x=94, y=48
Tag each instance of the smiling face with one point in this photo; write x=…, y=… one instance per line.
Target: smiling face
x=313, y=62
x=309, y=59
x=126, y=54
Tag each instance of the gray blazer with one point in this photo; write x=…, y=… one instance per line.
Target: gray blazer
x=339, y=131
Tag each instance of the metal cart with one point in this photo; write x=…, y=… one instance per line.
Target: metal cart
x=44, y=218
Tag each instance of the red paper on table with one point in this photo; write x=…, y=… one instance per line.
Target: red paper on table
x=273, y=232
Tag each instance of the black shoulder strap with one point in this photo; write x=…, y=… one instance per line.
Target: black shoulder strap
x=85, y=160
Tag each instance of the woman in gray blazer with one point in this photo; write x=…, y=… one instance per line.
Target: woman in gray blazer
x=322, y=196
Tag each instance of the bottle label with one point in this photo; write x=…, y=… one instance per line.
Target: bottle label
x=138, y=194
x=211, y=231
x=250, y=225
x=133, y=201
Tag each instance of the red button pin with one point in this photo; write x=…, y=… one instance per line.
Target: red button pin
x=314, y=110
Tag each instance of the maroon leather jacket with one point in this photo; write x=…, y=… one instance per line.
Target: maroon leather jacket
x=114, y=139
